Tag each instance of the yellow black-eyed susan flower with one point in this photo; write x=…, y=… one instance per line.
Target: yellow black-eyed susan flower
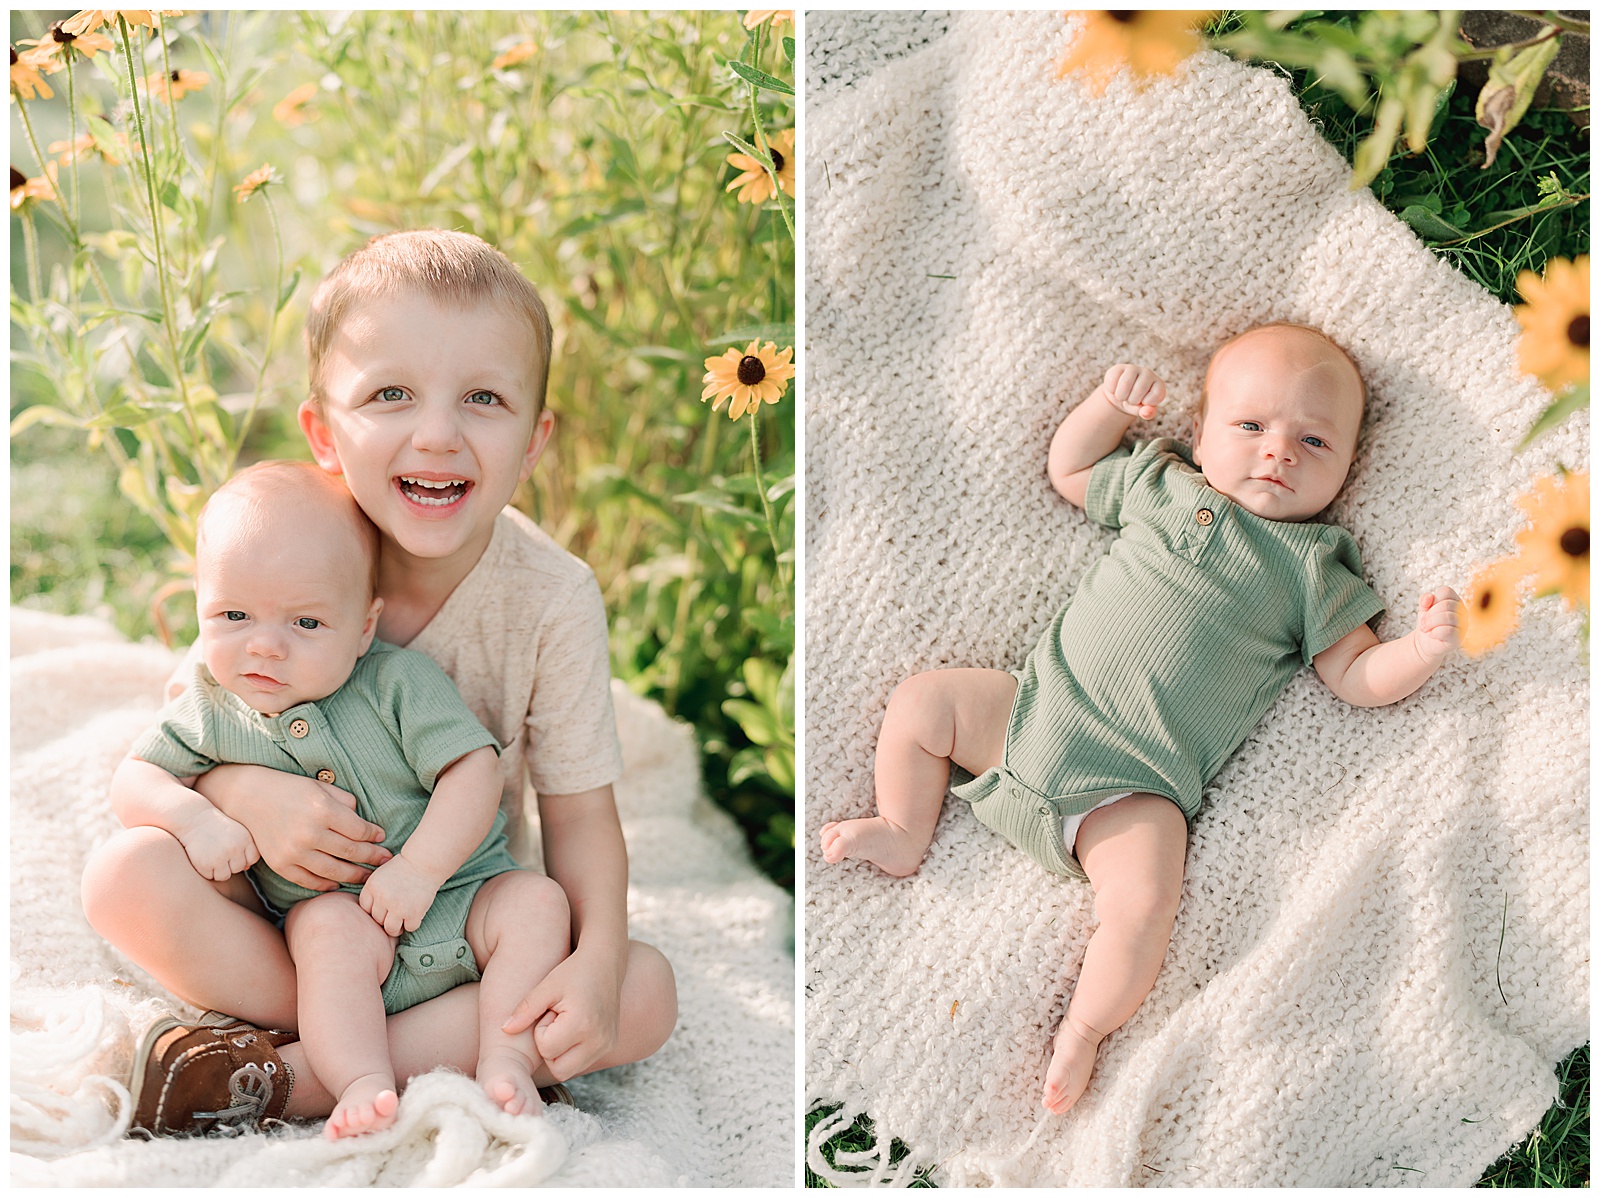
x=40, y=187
x=1555, y=322
x=26, y=80
x=291, y=110
x=753, y=183
x=254, y=182
x=178, y=82
x=1555, y=546
x=50, y=52
x=774, y=16
x=1148, y=42
x=1489, y=613
x=521, y=52
x=90, y=19
x=745, y=380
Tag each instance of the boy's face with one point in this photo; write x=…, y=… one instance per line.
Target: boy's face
x=283, y=615
x=430, y=414
x=1283, y=410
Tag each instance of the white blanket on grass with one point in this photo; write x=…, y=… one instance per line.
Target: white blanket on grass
x=1383, y=946
x=714, y=1107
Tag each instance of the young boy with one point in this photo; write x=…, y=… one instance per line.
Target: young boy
x=291, y=678
x=1092, y=757
x=428, y=355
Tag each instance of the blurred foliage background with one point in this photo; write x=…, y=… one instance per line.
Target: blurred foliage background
x=156, y=318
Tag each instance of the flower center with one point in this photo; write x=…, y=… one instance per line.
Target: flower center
x=1485, y=599
x=1578, y=331
x=1575, y=542
x=13, y=56
x=61, y=35
x=174, y=76
x=17, y=178
x=1123, y=16
x=751, y=371
x=777, y=165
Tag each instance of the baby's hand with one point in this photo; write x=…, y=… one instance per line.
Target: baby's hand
x=1134, y=390
x=218, y=847
x=398, y=895
x=1439, y=624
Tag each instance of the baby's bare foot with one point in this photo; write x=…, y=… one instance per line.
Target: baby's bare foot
x=506, y=1076
x=1071, y=1064
x=891, y=849
x=368, y=1104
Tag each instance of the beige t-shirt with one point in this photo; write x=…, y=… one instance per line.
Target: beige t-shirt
x=523, y=637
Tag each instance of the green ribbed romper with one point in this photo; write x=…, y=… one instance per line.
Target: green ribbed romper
x=1169, y=653
x=385, y=735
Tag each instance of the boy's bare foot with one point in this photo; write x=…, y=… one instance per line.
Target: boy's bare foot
x=506, y=1076
x=368, y=1104
x=892, y=849
x=1071, y=1064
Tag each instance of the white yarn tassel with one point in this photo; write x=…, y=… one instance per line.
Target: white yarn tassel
x=58, y=1103
x=850, y=1170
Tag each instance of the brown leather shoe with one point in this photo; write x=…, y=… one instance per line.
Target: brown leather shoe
x=220, y=1076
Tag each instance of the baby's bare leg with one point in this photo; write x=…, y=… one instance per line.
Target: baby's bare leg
x=933, y=719
x=341, y=960
x=1133, y=852
x=520, y=928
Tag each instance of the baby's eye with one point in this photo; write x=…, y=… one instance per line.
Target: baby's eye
x=1250, y=426
x=1316, y=442
x=392, y=394
x=483, y=397
x=308, y=622
x=234, y=615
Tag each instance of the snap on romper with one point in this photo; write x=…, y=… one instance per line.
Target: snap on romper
x=384, y=735
x=1167, y=655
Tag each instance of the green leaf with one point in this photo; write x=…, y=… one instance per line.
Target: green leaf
x=782, y=334
x=43, y=414
x=593, y=220
x=758, y=723
x=133, y=414
x=288, y=290
x=1509, y=90
x=1569, y=401
x=1429, y=225
x=1373, y=152
x=788, y=48
x=660, y=353
x=761, y=79
x=779, y=761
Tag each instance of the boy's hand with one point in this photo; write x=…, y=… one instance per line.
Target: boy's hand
x=398, y=895
x=218, y=847
x=1438, y=625
x=574, y=1013
x=1134, y=390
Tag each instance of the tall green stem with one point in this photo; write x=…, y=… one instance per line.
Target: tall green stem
x=38, y=156
x=266, y=348
x=766, y=505
x=72, y=141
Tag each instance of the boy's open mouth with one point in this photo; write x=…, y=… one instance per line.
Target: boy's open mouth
x=433, y=492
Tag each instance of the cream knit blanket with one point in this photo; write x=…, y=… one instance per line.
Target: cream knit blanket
x=713, y=1107
x=1383, y=946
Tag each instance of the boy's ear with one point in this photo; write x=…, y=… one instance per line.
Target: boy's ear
x=319, y=437
x=370, y=628
x=543, y=428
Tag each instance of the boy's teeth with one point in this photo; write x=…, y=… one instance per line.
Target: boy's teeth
x=447, y=492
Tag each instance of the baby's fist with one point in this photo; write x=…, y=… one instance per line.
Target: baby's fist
x=1134, y=390
x=1439, y=624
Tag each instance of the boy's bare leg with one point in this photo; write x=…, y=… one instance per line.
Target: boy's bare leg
x=520, y=928
x=209, y=943
x=1133, y=852
x=342, y=958
x=933, y=719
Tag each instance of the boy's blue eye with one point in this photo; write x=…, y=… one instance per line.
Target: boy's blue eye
x=483, y=397
x=233, y=615
x=392, y=394
x=1250, y=426
x=308, y=622
x=1317, y=442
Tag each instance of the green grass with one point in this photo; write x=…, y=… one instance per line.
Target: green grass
x=1478, y=221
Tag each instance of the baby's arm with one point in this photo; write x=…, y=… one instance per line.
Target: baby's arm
x=460, y=813
x=1367, y=672
x=144, y=795
x=1095, y=427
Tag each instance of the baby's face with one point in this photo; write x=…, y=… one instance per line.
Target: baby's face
x=1283, y=410
x=283, y=613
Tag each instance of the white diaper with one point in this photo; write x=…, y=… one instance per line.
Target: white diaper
x=1071, y=823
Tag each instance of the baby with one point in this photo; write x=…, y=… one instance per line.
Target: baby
x=291, y=677
x=1092, y=756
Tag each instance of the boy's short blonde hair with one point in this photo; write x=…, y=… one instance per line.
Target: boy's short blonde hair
x=286, y=488
x=446, y=266
x=1200, y=410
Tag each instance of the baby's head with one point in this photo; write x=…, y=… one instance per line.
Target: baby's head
x=1279, y=416
x=429, y=354
x=285, y=582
